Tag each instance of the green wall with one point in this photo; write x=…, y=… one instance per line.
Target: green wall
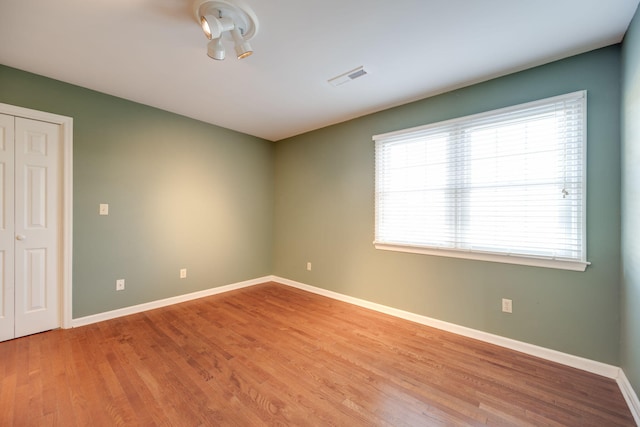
x=324, y=211
x=181, y=194
x=230, y=207
x=630, y=301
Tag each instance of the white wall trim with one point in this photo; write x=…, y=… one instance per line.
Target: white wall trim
x=588, y=365
x=66, y=263
x=629, y=395
x=599, y=368
x=592, y=366
x=108, y=315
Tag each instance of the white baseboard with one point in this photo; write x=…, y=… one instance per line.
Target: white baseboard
x=629, y=395
x=588, y=365
x=592, y=366
x=599, y=368
x=87, y=320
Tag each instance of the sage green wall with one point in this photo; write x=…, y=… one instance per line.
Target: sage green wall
x=324, y=211
x=186, y=194
x=181, y=194
x=630, y=301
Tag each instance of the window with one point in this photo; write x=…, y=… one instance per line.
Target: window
x=506, y=185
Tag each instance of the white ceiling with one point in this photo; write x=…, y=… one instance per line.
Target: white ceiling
x=154, y=52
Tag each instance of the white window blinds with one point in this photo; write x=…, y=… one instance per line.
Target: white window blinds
x=506, y=185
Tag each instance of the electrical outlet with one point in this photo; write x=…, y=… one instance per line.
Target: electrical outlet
x=183, y=273
x=104, y=209
x=120, y=285
x=308, y=266
x=507, y=305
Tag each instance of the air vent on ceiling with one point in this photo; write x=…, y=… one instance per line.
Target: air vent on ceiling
x=348, y=76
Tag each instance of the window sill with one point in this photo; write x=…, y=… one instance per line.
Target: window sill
x=561, y=264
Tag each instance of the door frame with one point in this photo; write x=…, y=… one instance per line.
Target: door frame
x=66, y=200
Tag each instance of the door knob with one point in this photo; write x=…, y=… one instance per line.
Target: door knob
x=20, y=237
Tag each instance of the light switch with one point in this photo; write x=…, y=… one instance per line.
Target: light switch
x=104, y=209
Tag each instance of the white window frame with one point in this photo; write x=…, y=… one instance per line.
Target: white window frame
x=528, y=260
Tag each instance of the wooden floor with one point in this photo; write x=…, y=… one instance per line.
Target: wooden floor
x=274, y=355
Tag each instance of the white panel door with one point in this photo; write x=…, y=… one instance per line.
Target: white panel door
x=37, y=214
x=7, y=234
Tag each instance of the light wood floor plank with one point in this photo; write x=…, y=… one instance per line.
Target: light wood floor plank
x=274, y=355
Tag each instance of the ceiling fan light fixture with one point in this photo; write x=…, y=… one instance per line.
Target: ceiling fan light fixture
x=226, y=19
